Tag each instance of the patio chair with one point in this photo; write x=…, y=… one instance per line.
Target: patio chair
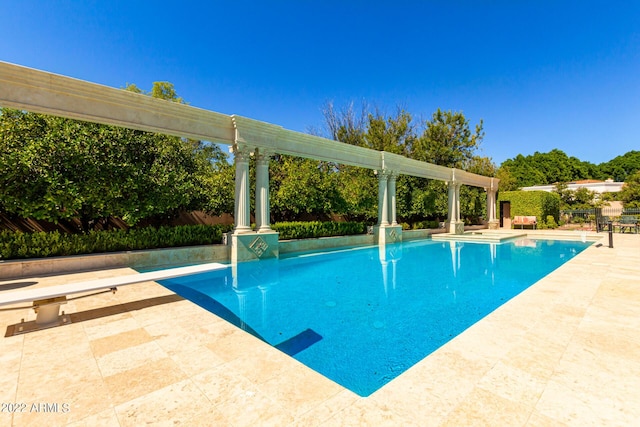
x=628, y=222
x=602, y=223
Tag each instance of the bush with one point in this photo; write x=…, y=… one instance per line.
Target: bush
x=18, y=245
x=311, y=229
x=539, y=203
x=420, y=225
x=551, y=222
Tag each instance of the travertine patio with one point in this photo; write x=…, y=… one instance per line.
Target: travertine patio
x=564, y=352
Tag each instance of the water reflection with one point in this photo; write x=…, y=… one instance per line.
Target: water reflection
x=455, y=248
x=254, y=278
x=389, y=256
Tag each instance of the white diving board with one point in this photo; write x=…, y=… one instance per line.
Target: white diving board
x=47, y=300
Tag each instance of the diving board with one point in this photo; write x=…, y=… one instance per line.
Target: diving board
x=47, y=300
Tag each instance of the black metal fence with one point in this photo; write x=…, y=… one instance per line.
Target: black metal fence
x=599, y=217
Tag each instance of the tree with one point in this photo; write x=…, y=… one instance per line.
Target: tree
x=303, y=186
x=507, y=181
x=53, y=168
x=525, y=171
x=582, y=198
x=630, y=193
x=447, y=140
x=358, y=187
x=621, y=167
x=555, y=166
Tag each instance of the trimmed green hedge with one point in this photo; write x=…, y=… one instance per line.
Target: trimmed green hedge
x=542, y=204
x=38, y=245
x=18, y=245
x=311, y=229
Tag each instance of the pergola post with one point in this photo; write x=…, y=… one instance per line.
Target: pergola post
x=454, y=224
x=246, y=245
x=391, y=196
x=242, y=216
x=383, y=204
x=387, y=230
x=494, y=223
x=263, y=220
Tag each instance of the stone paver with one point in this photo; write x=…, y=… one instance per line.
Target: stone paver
x=564, y=352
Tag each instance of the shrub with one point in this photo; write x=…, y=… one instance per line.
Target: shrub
x=426, y=224
x=16, y=245
x=311, y=229
x=551, y=222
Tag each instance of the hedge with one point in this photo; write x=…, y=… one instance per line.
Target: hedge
x=311, y=229
x=17, y=245
x=542, y=204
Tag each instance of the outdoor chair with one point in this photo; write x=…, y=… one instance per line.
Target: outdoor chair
x=628, y=222
x=602, y=223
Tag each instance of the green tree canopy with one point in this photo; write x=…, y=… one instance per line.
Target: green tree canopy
x=630, y=193
x=53, y=168
x=555, y=166
x=446, y=139
x=621, y=167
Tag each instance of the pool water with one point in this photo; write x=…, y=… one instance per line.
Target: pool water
x=363, y=316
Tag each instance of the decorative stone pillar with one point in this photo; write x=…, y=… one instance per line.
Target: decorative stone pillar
x=455, y=225
x=383, y=204
x=391, y=196
x=263, y=220
x=241, y=207
x=385, y=231
x=246, y=245
x=494, y=223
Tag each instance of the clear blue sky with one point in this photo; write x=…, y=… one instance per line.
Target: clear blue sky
x=541, y=74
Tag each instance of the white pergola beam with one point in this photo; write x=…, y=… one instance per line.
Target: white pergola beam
x=277, y=139
x=42, y=92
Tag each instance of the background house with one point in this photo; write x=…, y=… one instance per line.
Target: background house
x=608, y=186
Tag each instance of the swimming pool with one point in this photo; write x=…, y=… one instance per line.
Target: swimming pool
x=362, y=316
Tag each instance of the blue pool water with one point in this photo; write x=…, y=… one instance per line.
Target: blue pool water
x=363, y=316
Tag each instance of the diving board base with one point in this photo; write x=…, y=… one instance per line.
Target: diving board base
x=48, y=309
x=33, y=325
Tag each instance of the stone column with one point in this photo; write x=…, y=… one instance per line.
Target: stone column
x=453, y=217
x=457, y=187
x=242, y=206
x=391, y=195
x=383, y=204
x=263, y=213
x=451, y=211
x=494, y=223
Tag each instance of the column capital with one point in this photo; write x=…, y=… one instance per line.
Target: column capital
x=263, y=155
x=241, y=153
x=384, y=173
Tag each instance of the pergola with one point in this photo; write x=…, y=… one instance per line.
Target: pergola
x=43, y=92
